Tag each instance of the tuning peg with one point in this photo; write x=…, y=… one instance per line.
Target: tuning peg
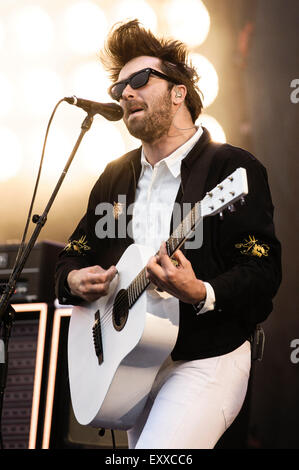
x=242, y=201
x=231, y=208
x=221, y=215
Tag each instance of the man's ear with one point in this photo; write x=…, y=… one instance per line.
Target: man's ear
x=179, y=93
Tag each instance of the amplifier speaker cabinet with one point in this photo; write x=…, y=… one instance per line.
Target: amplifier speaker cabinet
x=36, y=283
x=23, y=406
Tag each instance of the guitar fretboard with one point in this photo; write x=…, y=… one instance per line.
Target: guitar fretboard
x=174, y=242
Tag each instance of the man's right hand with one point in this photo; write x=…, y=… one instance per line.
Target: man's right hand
x=90, y=283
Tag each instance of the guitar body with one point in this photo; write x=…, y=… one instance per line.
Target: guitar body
x=112, y=393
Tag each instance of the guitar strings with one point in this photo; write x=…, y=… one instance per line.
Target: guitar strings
x=108, y=313
x=182, y=236
x=106, y=318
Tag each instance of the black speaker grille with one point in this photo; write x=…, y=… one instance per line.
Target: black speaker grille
x=20, y=381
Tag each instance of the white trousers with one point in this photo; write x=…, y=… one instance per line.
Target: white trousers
x=192, y=403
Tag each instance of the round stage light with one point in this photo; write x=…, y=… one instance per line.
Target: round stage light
x=213, y=126
x=6, y=95
x=57, y=151
x=188, y=21
x=41, y=89
x=208, y=78
x=1, y=34
x=32, y=29
x=90, y=81
x=10, y=154
x=123, y=10
x=103, y=144
x=85, y=27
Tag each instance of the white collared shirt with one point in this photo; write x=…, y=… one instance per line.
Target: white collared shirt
x=156, y=192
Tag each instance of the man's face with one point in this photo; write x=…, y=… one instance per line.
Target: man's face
x=153, y=102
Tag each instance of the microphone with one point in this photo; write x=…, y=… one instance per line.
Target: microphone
x=110, y=111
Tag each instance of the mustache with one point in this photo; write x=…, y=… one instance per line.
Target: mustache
x=131, y=106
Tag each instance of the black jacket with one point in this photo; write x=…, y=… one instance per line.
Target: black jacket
x=240, y=255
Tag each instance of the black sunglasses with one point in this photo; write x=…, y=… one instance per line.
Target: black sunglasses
x=136, y=80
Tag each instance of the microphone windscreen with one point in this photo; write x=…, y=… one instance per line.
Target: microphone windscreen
x=112, y=111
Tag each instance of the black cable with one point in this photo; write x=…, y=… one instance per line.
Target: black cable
x=102, y=433
x=113, y=439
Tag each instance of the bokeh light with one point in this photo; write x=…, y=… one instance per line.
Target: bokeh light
x=90, y=81
x=32, y=29
x=101, y=145
x=85, y=27
x=188, y=21
x=131, y=9
x=6, y=95
x=208, y=81
x=56, y=154
x=213, y=126
x=41, y=89
x=10, y=155
x=2, y=34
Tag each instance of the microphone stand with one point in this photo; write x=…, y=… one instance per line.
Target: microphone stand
x=6, y=310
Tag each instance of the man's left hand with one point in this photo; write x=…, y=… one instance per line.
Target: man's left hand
x=177, y=278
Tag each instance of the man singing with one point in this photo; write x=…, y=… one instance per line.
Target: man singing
x=222, y=288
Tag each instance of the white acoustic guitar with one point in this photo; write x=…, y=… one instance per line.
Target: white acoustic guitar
x=117, y=344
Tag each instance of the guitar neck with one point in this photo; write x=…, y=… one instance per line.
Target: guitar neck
x=184, y=230
x=224, y=195
x=174, y=242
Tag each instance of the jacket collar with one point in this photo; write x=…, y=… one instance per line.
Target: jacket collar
x=196, y=150
x=134, y=160
x=188, y=161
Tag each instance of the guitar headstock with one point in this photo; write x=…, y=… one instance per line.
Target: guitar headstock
x=230, y=190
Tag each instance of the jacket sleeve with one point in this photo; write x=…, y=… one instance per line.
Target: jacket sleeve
x=76, y=254
x=249, y=250
x=80, y=251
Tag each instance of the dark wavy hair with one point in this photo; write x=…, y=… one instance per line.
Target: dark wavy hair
x=129, y=40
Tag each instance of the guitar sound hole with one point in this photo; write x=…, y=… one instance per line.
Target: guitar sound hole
x=120, y=310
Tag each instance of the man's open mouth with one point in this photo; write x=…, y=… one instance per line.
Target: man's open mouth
x=134, y=111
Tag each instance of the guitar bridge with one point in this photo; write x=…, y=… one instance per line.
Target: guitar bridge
x=97, y=337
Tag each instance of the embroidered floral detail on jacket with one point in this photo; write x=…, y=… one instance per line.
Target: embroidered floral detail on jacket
x=77, y=245
x=118, y=208
x=251, y=247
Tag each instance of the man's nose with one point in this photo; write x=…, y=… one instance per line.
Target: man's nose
x=128, y=92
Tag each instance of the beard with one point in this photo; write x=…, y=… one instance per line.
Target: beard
x=155, y=123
